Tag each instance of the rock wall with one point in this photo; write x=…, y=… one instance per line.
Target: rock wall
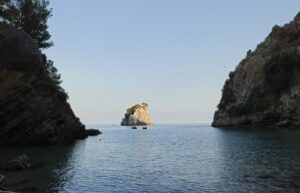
x=33, y=110
x=264, y=90
x=137, y=115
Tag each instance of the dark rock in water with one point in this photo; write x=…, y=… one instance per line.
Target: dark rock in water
x=87, y=132
x=17, y=183
x=33, y=109
x=1, y=179
x=22, y=162
x=133, y=127
x=1, y=182
x=145, y=128
x=266, y=176
x=28, y=189
x=20, y=186
x=3, y=190
x=93, y=132
x=264, y=89
x=137, y=115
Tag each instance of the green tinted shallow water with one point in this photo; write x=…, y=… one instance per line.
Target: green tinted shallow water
x=166, y=158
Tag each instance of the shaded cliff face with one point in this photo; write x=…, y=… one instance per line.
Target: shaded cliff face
x=33, y=110
x=264, y=90
x=137, y=115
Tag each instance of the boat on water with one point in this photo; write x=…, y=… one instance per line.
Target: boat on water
x=135, y=127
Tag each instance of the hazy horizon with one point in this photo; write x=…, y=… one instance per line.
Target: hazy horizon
x=174, y=55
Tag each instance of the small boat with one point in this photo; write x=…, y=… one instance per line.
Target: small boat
x=133, y=127
x=145, y=128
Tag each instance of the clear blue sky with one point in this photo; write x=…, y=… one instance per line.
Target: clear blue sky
x=173, y=54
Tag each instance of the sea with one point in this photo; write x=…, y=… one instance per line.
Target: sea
x=164, y=158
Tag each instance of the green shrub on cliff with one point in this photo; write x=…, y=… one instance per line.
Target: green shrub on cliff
x=132, y=109
x=145, y=104
x=279, y=71
x=56, y=80
x=227, y=93
x=53, y=72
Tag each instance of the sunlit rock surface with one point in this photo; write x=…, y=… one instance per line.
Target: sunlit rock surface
x=137, y=115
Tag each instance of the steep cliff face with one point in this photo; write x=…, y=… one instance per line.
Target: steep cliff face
x=264, y=90
x=33, y=110
x=137, y=115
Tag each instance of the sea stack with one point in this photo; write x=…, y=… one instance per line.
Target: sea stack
x=137, y=115
x=264, y=89
x=33, y=109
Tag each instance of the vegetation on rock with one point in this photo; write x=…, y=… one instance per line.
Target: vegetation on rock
x=32, y=16
x=133, y=108
x=264, y=88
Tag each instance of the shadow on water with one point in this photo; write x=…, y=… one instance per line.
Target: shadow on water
x=259, y=158
x=41, y=180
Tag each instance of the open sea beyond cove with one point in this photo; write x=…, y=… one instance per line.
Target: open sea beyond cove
x=165, y=158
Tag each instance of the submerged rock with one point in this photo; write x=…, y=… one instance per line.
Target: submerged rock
x=264, y=89
x=137, y=115
x=33, y=109
x=22, y=162
x=1, y=182
x=3, y=191
x=1, y=179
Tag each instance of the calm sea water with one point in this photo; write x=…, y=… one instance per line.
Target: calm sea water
x=166, y=158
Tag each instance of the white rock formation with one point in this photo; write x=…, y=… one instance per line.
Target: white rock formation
x=137, y=115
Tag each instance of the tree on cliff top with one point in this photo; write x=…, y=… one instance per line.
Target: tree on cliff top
x=30, y=16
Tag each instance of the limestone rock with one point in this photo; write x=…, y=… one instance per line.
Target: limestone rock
x=33, y=110
x=264, y=89
x=137, y=115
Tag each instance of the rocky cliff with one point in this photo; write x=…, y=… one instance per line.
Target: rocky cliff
x=264, y=89
x=33, y=109
x=137, y=115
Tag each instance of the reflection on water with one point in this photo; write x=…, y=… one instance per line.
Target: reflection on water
x=261, y=159
x=167, y=158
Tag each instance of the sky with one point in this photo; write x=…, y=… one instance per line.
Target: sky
x=173, y=54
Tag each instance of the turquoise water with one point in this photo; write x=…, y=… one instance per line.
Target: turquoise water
x=166, y=158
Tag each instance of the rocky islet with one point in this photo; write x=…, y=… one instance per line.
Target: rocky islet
x=137, y=115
